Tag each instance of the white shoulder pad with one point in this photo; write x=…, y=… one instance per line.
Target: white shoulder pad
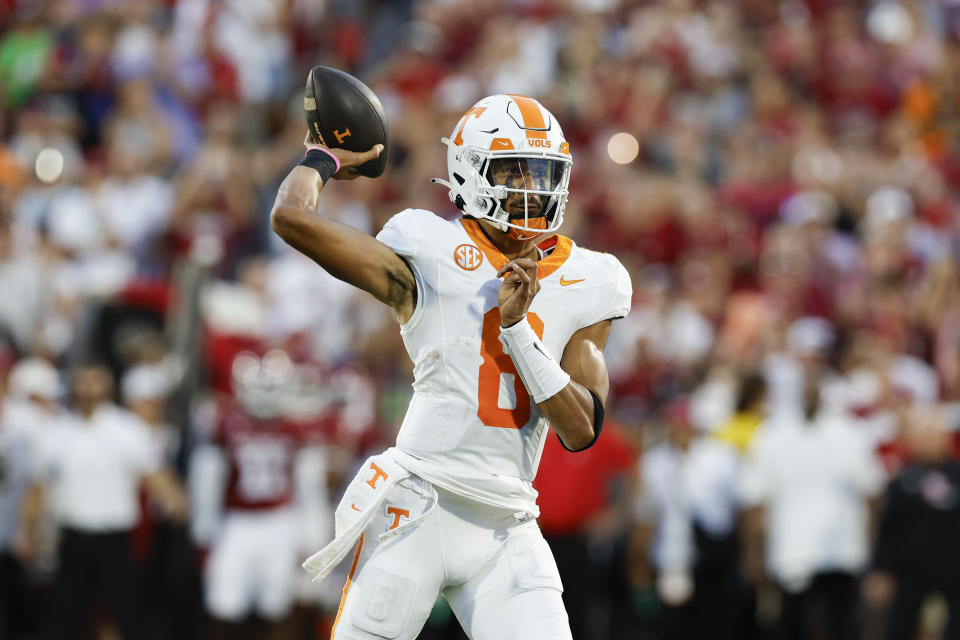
x=614, y=292
x=404, y=231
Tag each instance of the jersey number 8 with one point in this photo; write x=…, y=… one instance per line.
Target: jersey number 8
x=496, y=364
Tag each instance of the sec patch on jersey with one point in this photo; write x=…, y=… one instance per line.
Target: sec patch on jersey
x=344, y=113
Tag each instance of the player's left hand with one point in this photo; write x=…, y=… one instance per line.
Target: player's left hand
x=520, y=285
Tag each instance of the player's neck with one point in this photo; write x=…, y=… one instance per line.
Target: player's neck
x=511, y=248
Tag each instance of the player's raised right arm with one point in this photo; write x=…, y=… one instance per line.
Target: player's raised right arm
x=346, y=253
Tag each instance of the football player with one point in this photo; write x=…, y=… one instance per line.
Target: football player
x=247, y=493
x=506, y=323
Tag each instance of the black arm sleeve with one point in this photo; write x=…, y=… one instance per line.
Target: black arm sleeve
x=597, y=424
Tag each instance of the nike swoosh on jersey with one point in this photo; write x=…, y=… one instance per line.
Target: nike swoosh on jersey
x=354, y=507
x=564, y=282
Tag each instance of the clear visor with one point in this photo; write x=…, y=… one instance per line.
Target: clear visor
x=527, y=174
x=528, y=187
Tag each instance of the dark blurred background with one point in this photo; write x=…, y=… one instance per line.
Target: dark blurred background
x=183, y=397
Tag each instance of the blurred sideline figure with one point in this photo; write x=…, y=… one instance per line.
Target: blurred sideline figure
x=585, y=501
x=254, y=499
x=144, y=389
x=90, y=465
x=29, y=409
x=917, y=552
x=741, y=429
x=809, y=486
x=689, y=500
x=162, y=546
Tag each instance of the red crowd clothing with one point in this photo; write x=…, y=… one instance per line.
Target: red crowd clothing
x=575, y=487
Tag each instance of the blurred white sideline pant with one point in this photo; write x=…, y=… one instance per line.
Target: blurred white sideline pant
x=254, y=565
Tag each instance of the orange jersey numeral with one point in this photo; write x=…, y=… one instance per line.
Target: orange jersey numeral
x=496, y=363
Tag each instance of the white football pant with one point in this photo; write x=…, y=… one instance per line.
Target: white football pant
x=496, y=572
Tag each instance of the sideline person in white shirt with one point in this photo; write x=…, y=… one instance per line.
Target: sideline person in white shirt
x=690, y=500
x=809, y=483
x=29, y=407
x=90, y=465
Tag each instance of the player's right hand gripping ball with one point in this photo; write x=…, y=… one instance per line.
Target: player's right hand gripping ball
x=344, y=113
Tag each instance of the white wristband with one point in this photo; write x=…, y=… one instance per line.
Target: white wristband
x=540, y=373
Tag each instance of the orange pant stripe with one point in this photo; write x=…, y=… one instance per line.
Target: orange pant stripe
x=346, y=587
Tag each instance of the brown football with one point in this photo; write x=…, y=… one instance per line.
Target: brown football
x=344, y=113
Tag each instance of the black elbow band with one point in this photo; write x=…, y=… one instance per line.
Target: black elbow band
x=321, y=162
x=597, y=424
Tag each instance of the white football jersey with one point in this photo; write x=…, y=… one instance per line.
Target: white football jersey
x=471, y=426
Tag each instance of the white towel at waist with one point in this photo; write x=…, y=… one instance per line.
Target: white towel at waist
x=360, y=503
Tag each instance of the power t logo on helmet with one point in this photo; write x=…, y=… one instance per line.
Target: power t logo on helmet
x=509, y=164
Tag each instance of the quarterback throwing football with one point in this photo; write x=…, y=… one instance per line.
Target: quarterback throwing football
x=505, y=323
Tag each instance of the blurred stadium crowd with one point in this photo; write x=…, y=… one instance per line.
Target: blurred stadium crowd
x=183, y=397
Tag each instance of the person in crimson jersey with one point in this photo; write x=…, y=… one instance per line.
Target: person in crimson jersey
x=244, y=485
